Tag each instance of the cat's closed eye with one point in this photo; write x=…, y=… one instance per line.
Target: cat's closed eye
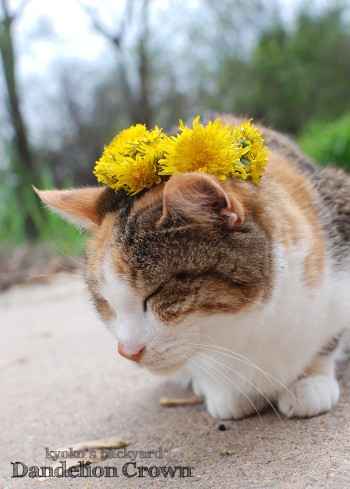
x=149, y=297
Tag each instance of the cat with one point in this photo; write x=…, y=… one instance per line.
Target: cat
x=240, y=290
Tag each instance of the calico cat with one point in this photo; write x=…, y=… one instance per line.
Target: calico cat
x=240, y=290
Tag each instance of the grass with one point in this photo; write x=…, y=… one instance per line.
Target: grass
x=328, y=142
x=50, y=228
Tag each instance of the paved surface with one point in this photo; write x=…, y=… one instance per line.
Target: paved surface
x=62, y=382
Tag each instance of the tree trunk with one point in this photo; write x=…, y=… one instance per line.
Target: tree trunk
x=22, y=163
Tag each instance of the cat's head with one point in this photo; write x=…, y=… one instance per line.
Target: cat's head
x=166, y=265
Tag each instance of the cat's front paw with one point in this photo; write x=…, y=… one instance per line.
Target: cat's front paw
x=309, y=396
x=227, y=406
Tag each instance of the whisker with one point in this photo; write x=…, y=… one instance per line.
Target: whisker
x=206, y=371
x=249, y=382
x=237, y=387
x=65, y=254
x=50, y=275
x=199, y=334
x=236, y=356
x=247, y=361
x=67, y=268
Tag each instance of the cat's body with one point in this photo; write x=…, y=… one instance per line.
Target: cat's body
x=238, y=289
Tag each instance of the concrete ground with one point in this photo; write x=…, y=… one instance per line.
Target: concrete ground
x=62, y=382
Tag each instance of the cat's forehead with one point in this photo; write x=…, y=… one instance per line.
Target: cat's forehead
x=143, y=252
x=141, y=249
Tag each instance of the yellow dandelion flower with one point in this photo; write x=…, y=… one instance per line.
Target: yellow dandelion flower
x=138, y=158
x=132, y=174
x=131, y=160
x=206, y=149
x=256, y=154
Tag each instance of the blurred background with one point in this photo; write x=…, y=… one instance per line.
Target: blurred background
x=75, y=72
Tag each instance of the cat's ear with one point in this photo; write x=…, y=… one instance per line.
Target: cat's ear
x=79, y=206
x=200, y=198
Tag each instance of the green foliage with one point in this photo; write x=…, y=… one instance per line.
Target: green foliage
x=59, y=235
x=327, y=143
x=292, y=76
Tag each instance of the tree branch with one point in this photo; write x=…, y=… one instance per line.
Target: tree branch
x=139, y=103
x=99, y=27
x=9, y=18
x=20, y=9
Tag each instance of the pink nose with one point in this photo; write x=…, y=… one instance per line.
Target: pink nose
x=135, y=355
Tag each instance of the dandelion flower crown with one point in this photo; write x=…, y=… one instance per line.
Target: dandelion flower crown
x=137, y=158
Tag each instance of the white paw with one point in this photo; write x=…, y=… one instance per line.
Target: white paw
x=226, y=406
x=310, y=396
